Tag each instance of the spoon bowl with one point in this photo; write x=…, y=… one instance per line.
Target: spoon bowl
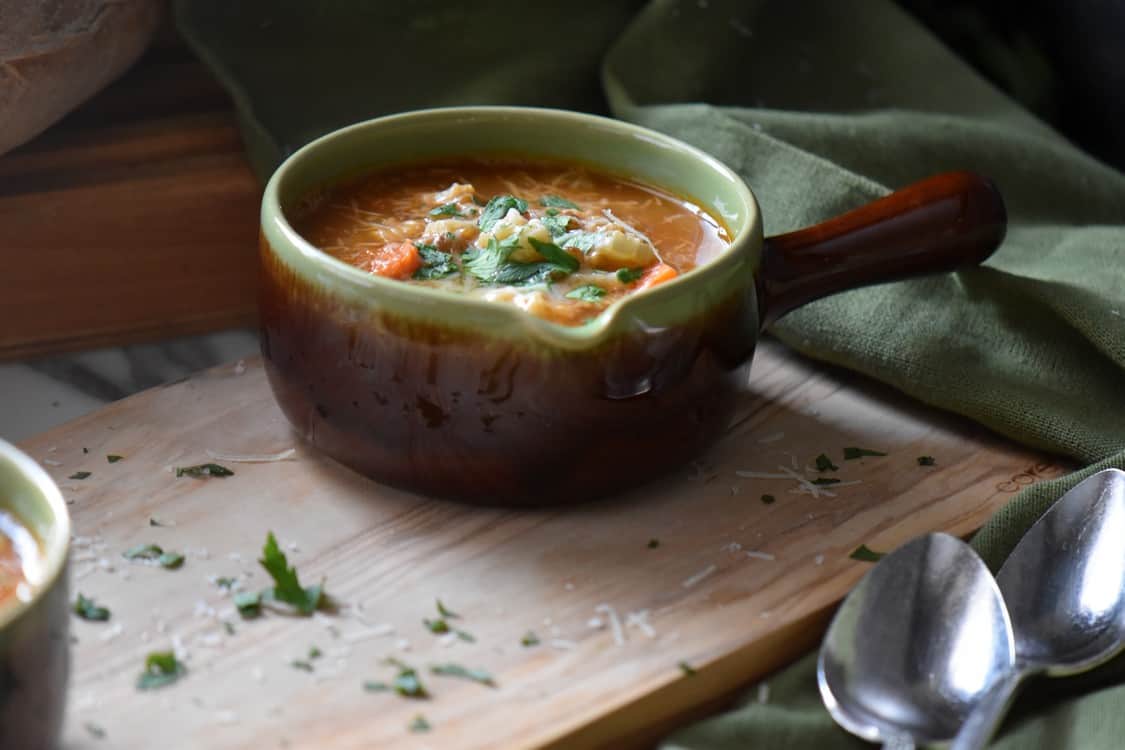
x=916, y=645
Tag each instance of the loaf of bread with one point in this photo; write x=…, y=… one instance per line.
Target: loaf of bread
x=54, y=54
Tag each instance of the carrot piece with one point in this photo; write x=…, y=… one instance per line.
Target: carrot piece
x=658, y=274
x=397, y=260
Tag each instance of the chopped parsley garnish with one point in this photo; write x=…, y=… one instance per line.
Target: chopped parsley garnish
x=555, y=254
x=143, y=552
x=456, y=670
x=825, y=480
x=113, y=458
x=556, y=201
x=866, y=554
x=926, y=461
x=406, y=683
x=226, y=582
x=687, y=669
x=373, y=686
x=315, y=652
x=248, y=604
x=579, y=240
x=229, y=627
x=629, y=275
x=203, y=470
x=95, y=730
x=88, y=609
x=497, y=208
x=438, y=626
x=491, y=265
x=824, y=463
x=301, y=664
x=447, y=209
x=154, y=521
x=287, y=588
x=171, y=560
x=446, y=612
x=419, y=724
x=529, y=639
x=435, y=263
x=586, y=293
x=556, y=223
x=85, y=449
x=653, y=543
x=81, y=475
x=465, y=636
x=161, y=668
x=853, y=453
x=768, y=499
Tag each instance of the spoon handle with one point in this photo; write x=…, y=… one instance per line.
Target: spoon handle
x=986, y=717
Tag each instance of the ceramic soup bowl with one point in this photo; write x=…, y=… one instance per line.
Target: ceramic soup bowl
x=34, y=624
x=458, y=397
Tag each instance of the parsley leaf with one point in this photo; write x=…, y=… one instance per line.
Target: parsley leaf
x=456, y=670
x=768, y=499
x=437, y=627
x=629, y=275
x=287, y=588
x=446, y=612
x=81, y=475
x=448, y=209
x=203, y=470
x=825, y=480
x=556, y=201
x=824, y=463
x=497, y=208
x=586, y=293
x=419, y=724
x=226, y=582
x=853, y=453
x=529, y=639
x=555, y=254
x=556, y=223
x=407, y=683
x=435, y=263
x=248, y=603
x=96, y=731
x=113, y=458
x=88, y=609
x=171, y=560
x=579, y=240
x=143, y=552
x=687, y=669
x=653, y=543
x=926, y=461
x=161, y=668
x=866, y=554
x=301, y=664
x=491, y=265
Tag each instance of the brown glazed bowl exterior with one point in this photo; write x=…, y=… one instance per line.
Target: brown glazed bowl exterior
x=34, y=642
x=461, y=398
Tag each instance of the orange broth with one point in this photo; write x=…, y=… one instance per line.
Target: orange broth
x=561, y=241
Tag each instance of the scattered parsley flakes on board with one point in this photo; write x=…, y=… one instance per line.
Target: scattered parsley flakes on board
x=863, y=553
x=824, y=463
x=456, y=670
x=161, y=668
x=81, y=475
x=926, y=461
x=420, y=724
x=768, y=499
x=850, y=454
x=113, y=458
x=90, y=610
x=203, y=471
x=94, y=730
x=287, y=587
x=653, y=543
x=825, y=480
x=529, y=639
x=687, y=669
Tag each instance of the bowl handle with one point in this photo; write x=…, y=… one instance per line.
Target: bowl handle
x=949, y=220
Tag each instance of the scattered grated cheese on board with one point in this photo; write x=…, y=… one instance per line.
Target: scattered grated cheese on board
x=689, y=582
x=757, y=555
x=289, y=454
x=614, y=623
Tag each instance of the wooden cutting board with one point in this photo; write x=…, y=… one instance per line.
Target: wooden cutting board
x=735, y=589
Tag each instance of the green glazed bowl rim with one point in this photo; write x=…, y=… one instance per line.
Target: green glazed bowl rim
x=730, y=270
x=55, y=545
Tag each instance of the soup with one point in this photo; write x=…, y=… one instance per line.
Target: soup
x=18, y=551
x=559, y=240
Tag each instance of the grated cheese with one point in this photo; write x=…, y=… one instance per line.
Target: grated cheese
x=756, y=555
x=614, y=622
x=639, y=620
x=562, y=644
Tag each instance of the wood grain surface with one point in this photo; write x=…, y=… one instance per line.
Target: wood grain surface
x=735, y=589
x=134, y=218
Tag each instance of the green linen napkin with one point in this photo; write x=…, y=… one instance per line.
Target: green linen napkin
x=820, y=106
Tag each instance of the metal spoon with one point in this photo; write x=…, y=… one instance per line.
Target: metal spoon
x=915, y=645
x=1064, y=585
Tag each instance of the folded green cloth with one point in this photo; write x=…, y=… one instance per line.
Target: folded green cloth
x=820, y=106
